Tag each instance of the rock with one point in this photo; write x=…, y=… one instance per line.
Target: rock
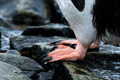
x=9, y=72
x=45, y=75
x=49, y=30
x=23, y=11
x=78, y=73
x=15, y=52
x=105, y=65
x=35, y=45
x=109, y=49
x=96, y=66
x=27, y=65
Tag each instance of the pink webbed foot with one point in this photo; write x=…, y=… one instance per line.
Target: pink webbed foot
x=64, y=53
x=69, y=53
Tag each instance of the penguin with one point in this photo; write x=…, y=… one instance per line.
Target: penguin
x=92, y=21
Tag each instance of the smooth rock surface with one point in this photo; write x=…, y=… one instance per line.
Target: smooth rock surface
x=27, y=65
x=49, y=30
x=9, y=72
x=14, y=52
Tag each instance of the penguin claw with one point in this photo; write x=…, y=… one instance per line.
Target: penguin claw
x=56, y=42
x=54, y=48
x=41, y=57
x=59, y=43
x=46, y=60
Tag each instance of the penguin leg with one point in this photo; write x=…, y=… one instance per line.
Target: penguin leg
x=95, y=45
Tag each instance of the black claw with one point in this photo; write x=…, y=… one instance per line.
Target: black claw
x=55, y=43
x=73, y=45
x=54, y=48
x=47, y=59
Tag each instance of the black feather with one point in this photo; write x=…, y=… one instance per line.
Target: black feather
x=106, y=16
x=79, y=4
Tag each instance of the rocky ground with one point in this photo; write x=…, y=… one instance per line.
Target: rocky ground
x=20, y=51
x=22, y=62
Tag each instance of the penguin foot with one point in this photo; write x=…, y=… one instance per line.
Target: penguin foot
x=67, y=53
x=63, y=53
x=72, y=52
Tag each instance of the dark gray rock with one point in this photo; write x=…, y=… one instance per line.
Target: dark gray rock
x=29, y=41
x=49, y=30
x=45, y=75
x=37, y=46
x=27, y=65
x=96, y=66
x=78, y=73
x=9, y=72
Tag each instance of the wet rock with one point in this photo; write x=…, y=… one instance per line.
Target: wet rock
x=109, y=49
x=96, y=66
x=27, y=65
x=23, y=11
x=105, y=65
x=6, y=34
x=9, y=72
x=49, y=30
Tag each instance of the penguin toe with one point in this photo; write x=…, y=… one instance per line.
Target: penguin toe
x=56, y=42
